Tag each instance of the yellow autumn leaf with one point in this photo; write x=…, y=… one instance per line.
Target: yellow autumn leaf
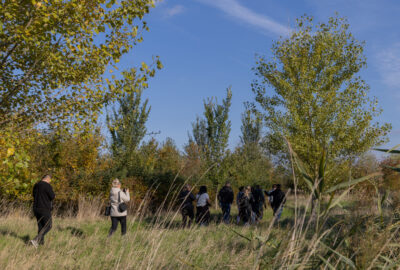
x=10, y=151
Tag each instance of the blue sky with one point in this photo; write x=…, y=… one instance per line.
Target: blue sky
x=209, y=45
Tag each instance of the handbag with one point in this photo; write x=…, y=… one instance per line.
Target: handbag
x=121, y=205
x=107, y=212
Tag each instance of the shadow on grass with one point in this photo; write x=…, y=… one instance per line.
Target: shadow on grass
x=25, y=238
x=74, y=231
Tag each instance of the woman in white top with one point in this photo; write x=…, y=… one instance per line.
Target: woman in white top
x=118, y=196
x=202, y=209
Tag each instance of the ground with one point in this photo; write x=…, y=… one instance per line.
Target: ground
x=157, y=242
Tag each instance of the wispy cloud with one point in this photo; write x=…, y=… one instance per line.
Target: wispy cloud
x=173, y=11
x=234, y=9
x=389, y=65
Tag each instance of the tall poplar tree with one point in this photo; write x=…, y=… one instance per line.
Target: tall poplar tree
x=211, y=134
x=310, y=93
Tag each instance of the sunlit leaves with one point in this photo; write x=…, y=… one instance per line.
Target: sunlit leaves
x=310, y=93
x=53, y=55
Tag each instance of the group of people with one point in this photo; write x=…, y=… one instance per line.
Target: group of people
x=250, y=201
x=43, y=197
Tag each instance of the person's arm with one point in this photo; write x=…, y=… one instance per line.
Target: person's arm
x=208, y=200
x=125, y=197
x=34, y=191
x=192, y=197
x=50, y=193
x=231, y=197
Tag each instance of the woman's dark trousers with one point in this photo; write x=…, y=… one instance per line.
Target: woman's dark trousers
x=114, y=225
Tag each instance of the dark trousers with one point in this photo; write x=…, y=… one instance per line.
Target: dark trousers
x=114, y=225
x=258, y=209
x=245, y=214
x=226, y=212
x=44, y=222
x=187, y=213
x=202, y=215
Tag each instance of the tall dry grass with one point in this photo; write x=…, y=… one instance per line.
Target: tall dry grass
x=352, y=238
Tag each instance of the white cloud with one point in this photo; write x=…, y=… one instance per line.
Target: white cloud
x=389, y=65
x=234, y=9
x=175, y=10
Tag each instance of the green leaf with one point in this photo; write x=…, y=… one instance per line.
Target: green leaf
x=352, y=182
x=348, y=261
x=392, y=168
x=388, y=151
x=300, y=166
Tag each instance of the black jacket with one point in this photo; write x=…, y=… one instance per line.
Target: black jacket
x=278, y=198
x=225, y=195
x=258, y=196
x=43, y=195
x=186, y=198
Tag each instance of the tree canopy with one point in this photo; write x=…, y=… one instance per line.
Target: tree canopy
x=53, y=55
x=310, y=93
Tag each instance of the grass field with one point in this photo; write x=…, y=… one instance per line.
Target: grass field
x=352, y=238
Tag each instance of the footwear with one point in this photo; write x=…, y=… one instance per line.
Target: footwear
x=34, y=243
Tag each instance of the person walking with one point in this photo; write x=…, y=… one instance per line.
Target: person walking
x=244, y=202
x=186, y=199
x=238, y=198
x=268, y=194
x=225, y=199
x=259, y=202
x=202, y=209
x=278, y=201
x=43, y=196
x=118, y=213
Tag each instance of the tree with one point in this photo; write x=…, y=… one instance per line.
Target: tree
x=53, y=55
x=128, y=125
x=315, y=99
x=251, y=127
x=211, y=134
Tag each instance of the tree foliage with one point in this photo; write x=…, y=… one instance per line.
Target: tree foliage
x=53, y=55
x=311, y=94
x=251, y=127
x=127, y=124
x=211, y=134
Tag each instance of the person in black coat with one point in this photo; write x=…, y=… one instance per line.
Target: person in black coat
x=43, y=196
x=245, y=210
x=225, y=199
x=258, y=202
x=278, y=201
x=185, y=200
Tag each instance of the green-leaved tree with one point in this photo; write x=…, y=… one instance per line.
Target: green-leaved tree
x=127, y=124
x=310, y=94
x=54, y=53
x=211, y=134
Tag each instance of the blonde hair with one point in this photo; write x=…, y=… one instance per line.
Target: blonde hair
x=116, y=182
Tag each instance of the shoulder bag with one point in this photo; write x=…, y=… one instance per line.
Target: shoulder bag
x=121, y=205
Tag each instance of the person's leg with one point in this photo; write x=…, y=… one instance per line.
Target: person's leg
x=40, y=224
x=122, y=220
x=184, y=218
x=206, y=215
x=223, y=208
x=114, y=225
x=198, y=214
x=44, y=225
x=279, y=213
x=191, y=215
x=48, y=225
x=227, y=213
